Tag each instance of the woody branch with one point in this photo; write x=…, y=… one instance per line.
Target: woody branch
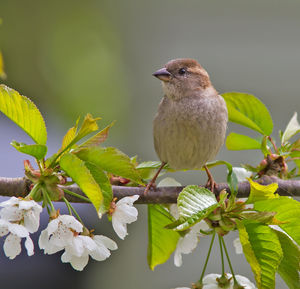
x=20, y=187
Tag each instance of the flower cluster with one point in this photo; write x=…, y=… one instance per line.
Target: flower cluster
x=20, y=217
x=210, y=281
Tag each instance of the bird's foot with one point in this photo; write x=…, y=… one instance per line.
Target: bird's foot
x=211, y=184
x=150, y=185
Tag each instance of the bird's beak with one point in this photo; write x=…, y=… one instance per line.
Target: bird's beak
x=163, y=74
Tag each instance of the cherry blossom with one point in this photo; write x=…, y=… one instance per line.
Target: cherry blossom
x=64, y=233
x=18, y=218
x=124, y=213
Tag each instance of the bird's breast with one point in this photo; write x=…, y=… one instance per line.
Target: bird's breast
x=189, y=132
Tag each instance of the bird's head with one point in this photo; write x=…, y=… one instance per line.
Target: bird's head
x=181, y=77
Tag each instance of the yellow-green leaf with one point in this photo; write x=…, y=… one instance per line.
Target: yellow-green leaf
x=38, y=151
x=78, y=171
x=237, y=142
x=98, y=138
x=161, y=242
x=89, y=125
x=260, y=192
x=262, y=250
x=24, y=113
x=2, y=72
x=104, y=184
x=247, y=110
x=69, y=136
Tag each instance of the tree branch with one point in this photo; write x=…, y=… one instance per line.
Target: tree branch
x=20, y=187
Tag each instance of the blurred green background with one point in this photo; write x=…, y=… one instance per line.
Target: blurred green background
x=74, y=57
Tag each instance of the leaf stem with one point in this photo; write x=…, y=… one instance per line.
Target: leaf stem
x=73, y=210
x=273, y=144
x=228, y=259
x=221, y=252
x=77, y=195
x=68, y=205
x=45, y=193
x=208, y=254
x=34, y=190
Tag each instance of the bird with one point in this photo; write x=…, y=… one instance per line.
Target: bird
x=190, y=125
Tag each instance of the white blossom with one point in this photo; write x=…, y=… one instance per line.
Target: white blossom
x=63, y=233
x=84, y=246
x=210, y=282
x=241, y=173
x=189, y=242
x=238, y=246
x=18, y=218
x=124, y=213
x=59, y=233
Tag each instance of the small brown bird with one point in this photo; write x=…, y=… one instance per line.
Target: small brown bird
x=189, y=127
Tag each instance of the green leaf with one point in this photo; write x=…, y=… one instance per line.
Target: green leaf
x=38, y=151
x=110, y=160
x=104, y=184
x=161, y=242
x=296, y=154
x=292, y=129
x=290, y=264
x=147, y=170
x=80, y=174
x=247, y=110
x=260, y=192
x=23, y=112
x=237, y=142
x=262, y=250
x=194, y=204
x=262, y=217
x=98, y=138
x=288, y=211
x=151, y=165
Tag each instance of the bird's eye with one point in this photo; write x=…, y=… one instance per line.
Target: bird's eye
x=182, y=71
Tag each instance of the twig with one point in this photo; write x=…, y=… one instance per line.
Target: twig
x=20, y=187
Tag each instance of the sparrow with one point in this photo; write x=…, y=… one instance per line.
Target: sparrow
x=190, y=125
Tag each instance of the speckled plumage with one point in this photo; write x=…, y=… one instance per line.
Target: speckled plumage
x=189, y=127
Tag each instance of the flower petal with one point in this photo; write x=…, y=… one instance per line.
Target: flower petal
x=52, y=226
x=128, y=200
x=12, y=246
x=71, y=222
x=78, y=263
x=31, y=221
x=29, y=246
x=18, y=230
x=100, y=253
x=238, y=246
x=120, y=228
x=10, y=202
x=43, y=239
x=107, y=242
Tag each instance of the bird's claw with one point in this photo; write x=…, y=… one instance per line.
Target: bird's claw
x=150, y=185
